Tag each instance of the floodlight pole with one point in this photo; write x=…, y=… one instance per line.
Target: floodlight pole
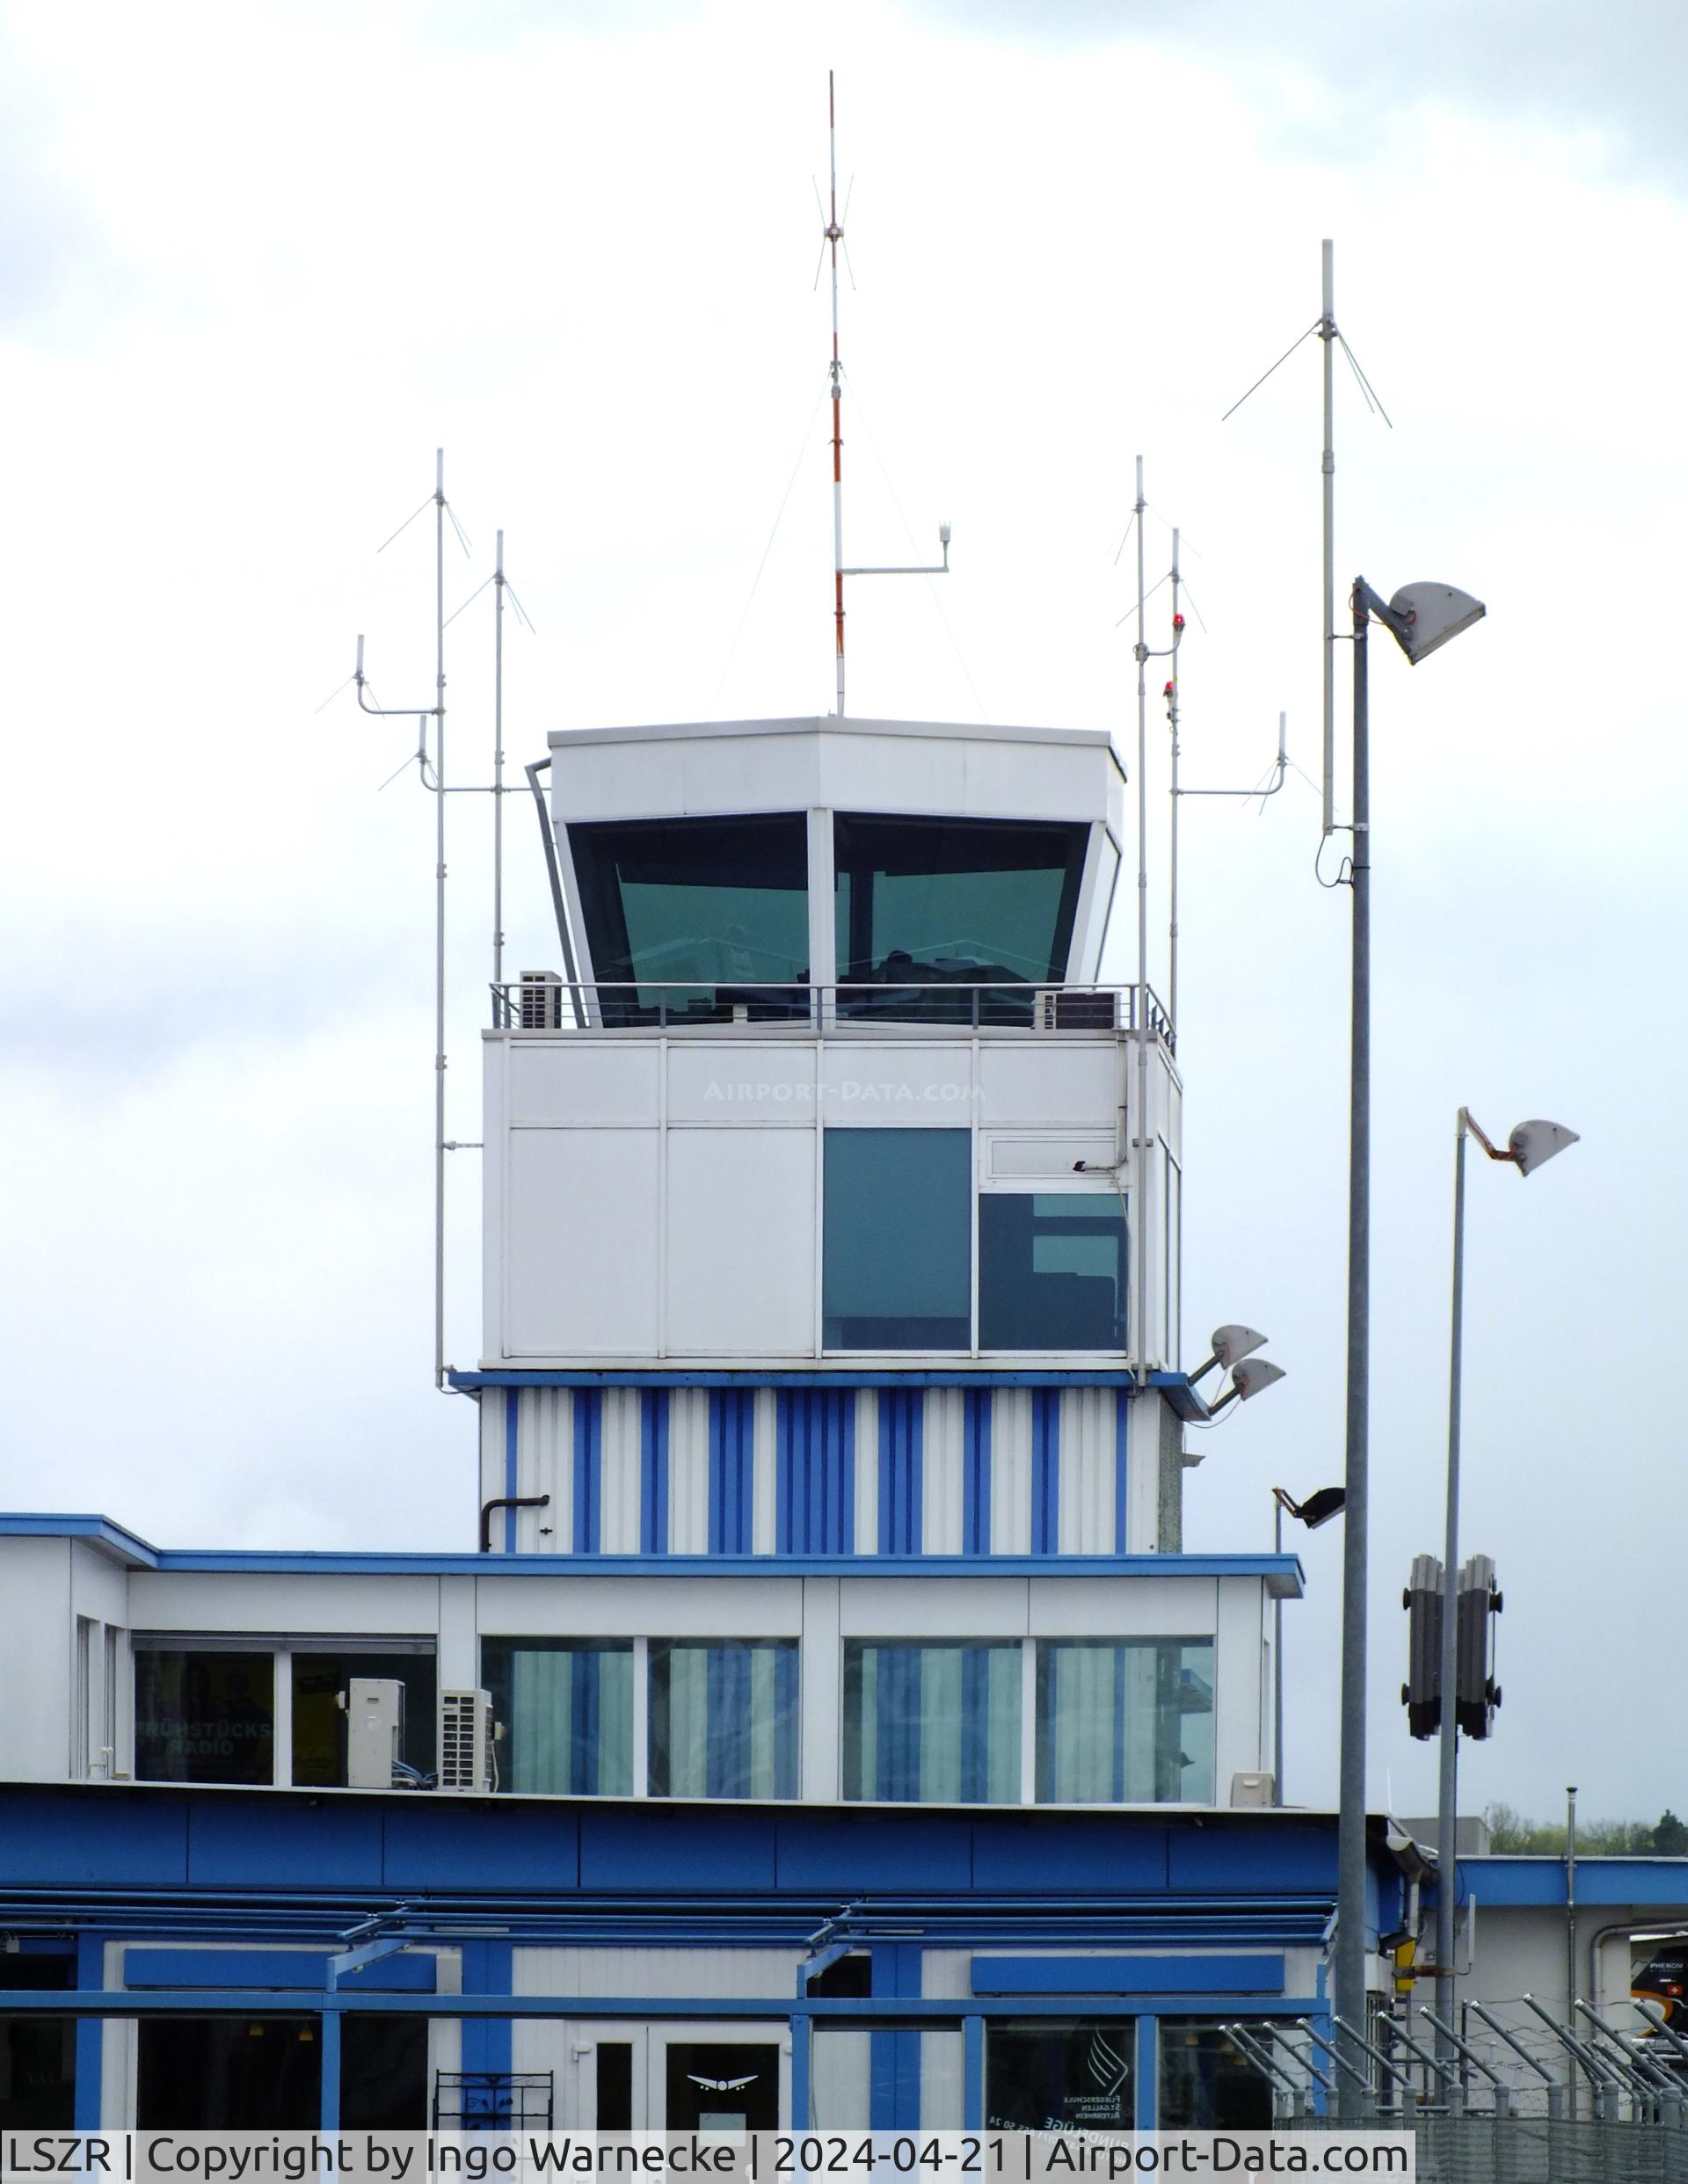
x=1447, y=1842
x=1350, y=1982
x=1277, y=1663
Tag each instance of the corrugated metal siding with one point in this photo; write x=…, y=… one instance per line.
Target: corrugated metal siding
x=901, y=1496
x=545, y=1464
x=941, y=1471
x=688, y=1471
x=765, y=1499
x=732, y=1469
x=723, y=1973
x=1045, y=1470
x=623, y=1417
x=588, y=1469
x=1011, y=1471
x=976, y=1471
x=815, y=1512
x=866, y=1400
x=653, y=1472
x=1087, y=1458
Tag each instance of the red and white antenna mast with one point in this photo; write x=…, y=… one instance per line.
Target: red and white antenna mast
x=832, y=234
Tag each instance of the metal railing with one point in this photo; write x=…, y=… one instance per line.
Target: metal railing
x=548, y=1003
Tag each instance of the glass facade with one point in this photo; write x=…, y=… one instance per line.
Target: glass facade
x=926, y=908
x=695, y=914
x=203, y=1716
x=932, y=1725
x=897, y=1240
x=723, y=1718
x=1125, y=1721
x=1060, y=2074
x=1206, y=2081
x=566, y=1705
x=1052, y=1270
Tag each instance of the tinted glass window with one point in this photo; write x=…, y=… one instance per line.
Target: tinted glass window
x=204, y=1717
x=319, y=1720
x=926, y=907
x=1207, y=2084
x=1052, y=1270
x=228, y=2074
x=696, y=914
x=567, y=1710
x=936, y=1724
x=1130, y=1722
x=723, y=1718
x=897, y=1240
x=1059, y=2075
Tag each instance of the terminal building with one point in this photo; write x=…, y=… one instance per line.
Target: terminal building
x=828, y=1726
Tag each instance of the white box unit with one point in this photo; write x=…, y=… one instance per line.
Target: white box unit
x=374, y=1730
x=539, y=1005
x=466, y=1738
x=1252, y=1789
x=1062, y=1008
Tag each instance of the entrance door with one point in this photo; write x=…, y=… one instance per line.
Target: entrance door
x=686, y=2078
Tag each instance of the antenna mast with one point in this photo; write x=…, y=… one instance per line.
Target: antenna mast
x=834, y=236
x=1327, y=334
x=497, y=768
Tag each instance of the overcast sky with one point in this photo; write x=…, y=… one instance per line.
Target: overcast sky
x=257, y=264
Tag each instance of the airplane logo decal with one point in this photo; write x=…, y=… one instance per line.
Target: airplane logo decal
x=721, y=2085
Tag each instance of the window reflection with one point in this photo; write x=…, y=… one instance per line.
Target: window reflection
x=932, y=1725
x=1059, y=2074
x=925, y=908
x=204, y=1716
x=566, y=1705
x=897, y=1240
x=723, y=1718
x=1128, y=1722
x=1052, y=1270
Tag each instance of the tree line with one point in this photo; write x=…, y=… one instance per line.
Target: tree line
x=1509, y=1831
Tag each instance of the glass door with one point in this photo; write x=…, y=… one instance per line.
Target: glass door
x=717, y=2078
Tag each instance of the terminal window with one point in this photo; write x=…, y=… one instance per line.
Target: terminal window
x=897, y=1240
x=567, y=1707
x=723, y=1718
x=932, y=1725
x=1052, y=1270
x=201, y=1716
x=1125, y=1721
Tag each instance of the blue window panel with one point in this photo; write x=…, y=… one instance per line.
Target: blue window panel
x=402, y=1973
x=815, y=1472
x=1122, y=1466
x=588, y=1470
x=512, y=1397
x=1045, y=1470
x=732, y=1469
x=976, y=1470
x=653, y=1471
x=901, y=1411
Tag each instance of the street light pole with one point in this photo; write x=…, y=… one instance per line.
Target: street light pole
x=1529, y=1145
x=1350, y=1819
x=1277, y=1663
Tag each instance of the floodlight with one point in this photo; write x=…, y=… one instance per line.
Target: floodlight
x=1533, y=1142
x=1424, y=616
x=1230, y=1344
x=943, y=534
x=1249, y=1379
x=1317, y=1508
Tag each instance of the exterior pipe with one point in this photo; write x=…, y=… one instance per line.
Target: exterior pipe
x=507, y=1501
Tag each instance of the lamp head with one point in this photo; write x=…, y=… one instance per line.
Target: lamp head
x=1254, y=1374
x=1319, y=1508
x=1429, y=615
x=943, y=534
x=1533, y=1142
x=1234, y=1343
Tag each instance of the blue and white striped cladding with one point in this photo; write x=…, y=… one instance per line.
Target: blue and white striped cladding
x=894, y=1471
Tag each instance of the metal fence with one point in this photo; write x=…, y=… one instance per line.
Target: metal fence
x=1489, y=2149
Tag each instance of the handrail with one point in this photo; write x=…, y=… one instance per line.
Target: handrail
x=549, y=1003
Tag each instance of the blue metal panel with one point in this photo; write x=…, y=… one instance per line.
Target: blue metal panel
x=1128, y=1975
x=494, y=1844
x=588, y=1470
x=894, y=2057
x=1045, y=1471
x=1146, y=2089
x=802, y=2056
x=732, y=1470
x=828, y=1850
x=976, y=1405
x=1121, y=1467
x=1517, y=1880
x=406, y=1974
x=901, y=1418
x=652, y=1847
x=1174, y=1386
x=290, y=1843
x=1048, y=1851
x=328, y=2115
x=91, y=1972
x=487, y=1970
x=142, y=1842
x=511, y=1398
x=1288, y=1857
x=815, y=1477
x=653, y=1471
x=972, y=2074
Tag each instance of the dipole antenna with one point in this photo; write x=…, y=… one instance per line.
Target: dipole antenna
x=497, y=768
x=832, y=235
x=1328, y=335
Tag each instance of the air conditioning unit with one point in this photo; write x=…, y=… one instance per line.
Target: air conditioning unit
x=374, y=1730
x=466, y=1735
x=539, y=1001
x=1251, y=1789
x=1068, y=1008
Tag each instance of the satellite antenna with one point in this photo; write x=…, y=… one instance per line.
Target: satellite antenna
x=832, y=235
